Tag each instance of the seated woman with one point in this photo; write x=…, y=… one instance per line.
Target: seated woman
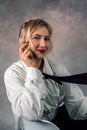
x=35, y=100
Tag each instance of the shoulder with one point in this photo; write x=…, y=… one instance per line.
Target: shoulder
x=59, y=69
x=15, y=69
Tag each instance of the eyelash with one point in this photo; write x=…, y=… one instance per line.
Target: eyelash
x=47, y=39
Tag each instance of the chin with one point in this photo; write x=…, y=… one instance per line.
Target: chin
x=40, y=58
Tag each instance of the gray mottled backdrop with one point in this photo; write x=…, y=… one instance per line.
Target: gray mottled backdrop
x=69, y=21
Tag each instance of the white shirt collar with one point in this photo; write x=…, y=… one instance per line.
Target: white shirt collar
x=47, y=67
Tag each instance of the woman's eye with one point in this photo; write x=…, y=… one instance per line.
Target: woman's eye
x=47, y=39
x=36, y=38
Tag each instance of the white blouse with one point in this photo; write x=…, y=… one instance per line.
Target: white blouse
x=35, y=98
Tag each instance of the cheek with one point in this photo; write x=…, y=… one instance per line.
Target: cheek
x=33, y=46
x=50, y=46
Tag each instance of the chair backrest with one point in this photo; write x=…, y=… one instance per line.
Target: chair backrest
x=23, y=124
x=39, y=125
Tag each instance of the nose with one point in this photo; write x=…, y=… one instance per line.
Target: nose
x=42, y=42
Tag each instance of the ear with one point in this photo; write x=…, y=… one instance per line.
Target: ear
x=21, y=41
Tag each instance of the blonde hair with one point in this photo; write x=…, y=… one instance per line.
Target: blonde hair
x=31, y=25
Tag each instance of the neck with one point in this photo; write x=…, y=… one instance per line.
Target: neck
x=40, y=64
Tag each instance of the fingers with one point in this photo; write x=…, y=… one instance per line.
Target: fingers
x=25, y=52
x=27, y=55
x=22, y=47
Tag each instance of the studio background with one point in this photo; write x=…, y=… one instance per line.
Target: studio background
x=69, y=21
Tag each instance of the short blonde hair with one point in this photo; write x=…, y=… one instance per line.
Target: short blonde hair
x=32, y=25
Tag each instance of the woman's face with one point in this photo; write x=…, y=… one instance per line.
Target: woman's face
x=39, y=42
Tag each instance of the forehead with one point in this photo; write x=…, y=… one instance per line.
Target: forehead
x=41, y=31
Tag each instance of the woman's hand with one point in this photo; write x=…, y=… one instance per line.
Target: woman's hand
x=27, y=56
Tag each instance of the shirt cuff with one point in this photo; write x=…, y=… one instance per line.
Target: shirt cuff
x=33, y=73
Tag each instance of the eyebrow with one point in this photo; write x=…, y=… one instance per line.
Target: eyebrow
x=42, y=35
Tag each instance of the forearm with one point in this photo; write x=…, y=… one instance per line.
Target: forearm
x=27, y=98
x=75, y=101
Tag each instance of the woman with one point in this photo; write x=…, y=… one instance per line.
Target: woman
x=34, y=99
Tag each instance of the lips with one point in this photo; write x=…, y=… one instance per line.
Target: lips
x=42, y=51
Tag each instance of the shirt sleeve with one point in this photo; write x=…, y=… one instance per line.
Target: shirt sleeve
x=26, y=96
x=75, y=101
